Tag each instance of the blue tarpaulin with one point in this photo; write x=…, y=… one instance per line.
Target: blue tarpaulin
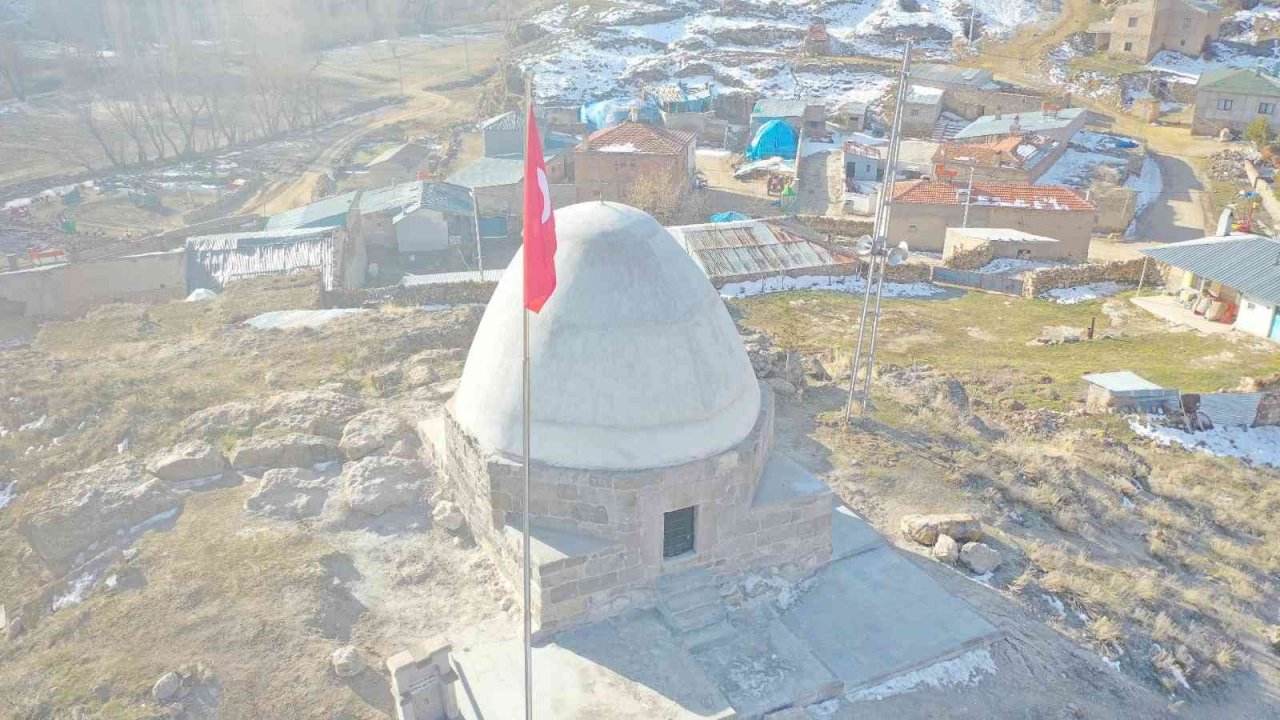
x=730, y=216
x=607, y=113
x=774, y=139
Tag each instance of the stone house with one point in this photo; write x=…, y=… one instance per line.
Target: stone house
x=1002, y=243
x=973, y=92
x=609, y=162
x=498, y=183
x=924, y=209
x=1060, y=124
x=1020, y=158
x=1139, y=30
x=1232, y=98
x=799, y=113
x=921, y=110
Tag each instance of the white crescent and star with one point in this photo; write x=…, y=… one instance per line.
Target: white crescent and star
x=545, y=189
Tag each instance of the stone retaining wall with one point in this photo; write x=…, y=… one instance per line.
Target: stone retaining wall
x=1121, y=271
x=841, y=226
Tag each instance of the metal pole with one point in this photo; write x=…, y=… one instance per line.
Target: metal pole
x=968, y=199
x=528, y=586
x=973, y=11
x=475, y=224
x=875, y=327
x=1142, y=279
x=881, y=227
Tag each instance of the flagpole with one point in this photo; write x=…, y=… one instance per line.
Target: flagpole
x=524, y=311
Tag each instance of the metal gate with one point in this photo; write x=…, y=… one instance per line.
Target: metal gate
x=677, y=535
x=976, y=280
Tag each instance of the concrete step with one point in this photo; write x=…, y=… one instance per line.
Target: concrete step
x=685, y=580
x=677, y=602
x=707, y=635
x=696, y=617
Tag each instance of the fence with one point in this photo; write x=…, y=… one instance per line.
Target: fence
x=976, y=280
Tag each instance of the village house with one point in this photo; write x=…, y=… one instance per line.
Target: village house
x=921, y=109
x=339, y=257
x=862, y=163
x=924, y=209
x=498, y=185
x=504, y=135
x=1139, y=30
x=1232, y=98
x=689, y=108
x=1233, y=280
x=1059, y=124
x=801, y=114
x=399, y=163
x=972, y=92
x=1020, y=158
x=754, y=249
x=609, y=162
x=852, y=116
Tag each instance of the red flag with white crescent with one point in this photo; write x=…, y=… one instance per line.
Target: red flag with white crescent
x=539, y=223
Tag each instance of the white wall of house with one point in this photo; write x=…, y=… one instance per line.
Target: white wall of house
x=1255, y=316
x=422, y=231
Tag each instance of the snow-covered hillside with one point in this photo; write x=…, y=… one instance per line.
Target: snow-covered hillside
x=593, y=51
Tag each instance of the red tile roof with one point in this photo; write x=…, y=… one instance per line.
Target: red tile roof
x=1038, y=197
x=1011, y=151
x=639, y=138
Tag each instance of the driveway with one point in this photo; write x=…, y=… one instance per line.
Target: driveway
x=1178, y=214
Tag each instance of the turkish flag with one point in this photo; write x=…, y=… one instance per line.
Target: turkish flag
x=539, y=222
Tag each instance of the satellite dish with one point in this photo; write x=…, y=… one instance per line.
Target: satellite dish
x=866, y=245
x=898, y=255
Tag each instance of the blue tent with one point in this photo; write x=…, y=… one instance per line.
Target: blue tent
x=774, y=139
x=731, y=216
x=607, y=113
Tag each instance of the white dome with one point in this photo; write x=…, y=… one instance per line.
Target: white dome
x=635, y=361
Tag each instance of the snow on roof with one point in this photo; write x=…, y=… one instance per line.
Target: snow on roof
x=922, y=95
x=619, y=148
x=1122, y=381
x=1034, y=197
x=1000, y=235
x=1039, y=121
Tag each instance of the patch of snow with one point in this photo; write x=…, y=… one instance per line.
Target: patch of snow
x=1127, y=503
x=1148, y=183
x=1056, y=604
x=293, y=319
x=1256, y=446
x=1012, y=265
x=619, y=148
x=36, y=424
x=1084, y=293
x=825, y=709
x=201, y=295
x=8, y=494
x=836, y=283
x=966, y=670
x=1076, y=167
x=1188, y=69
x=156, y=519
x=75, y=592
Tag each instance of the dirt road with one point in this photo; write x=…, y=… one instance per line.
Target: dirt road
x=1178, y=214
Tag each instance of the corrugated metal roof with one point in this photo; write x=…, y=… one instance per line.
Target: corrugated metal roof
x=332, y=211
x=489, y=172
x=780, y=107
x=1228, y=409
x=1248, y=263
x=749, y=247
x=951, y=75
x=1122, y=382
x=1038, y=121
x=922, y=95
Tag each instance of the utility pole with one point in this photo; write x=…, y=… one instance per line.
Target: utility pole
x=973, y=12
x=968, y=198
x=475, y=223
x=878, y=241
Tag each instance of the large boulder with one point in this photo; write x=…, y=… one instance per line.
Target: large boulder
x=289, y=494
x=979, y=557
x=448, y=516
x=374, y=485
x=319, y=412
x=188, y=460
x=167, y=687
x=946, y=550
x=373, y=432
x=220, y=420
x=347, y=663
x=292, y=450
x=925, y=529
x=77, y=509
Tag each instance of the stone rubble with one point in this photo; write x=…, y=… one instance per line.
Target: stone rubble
x=373, y=432
x=946, y=550
x=448, y=516
x=979, y=557
x=346, y=662
x=292, y=450
x=374, y=485
x=925, y=529
x=290, y=494
x=314, y=413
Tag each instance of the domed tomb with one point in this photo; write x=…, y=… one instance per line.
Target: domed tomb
x=634, y=359
x=651, y=436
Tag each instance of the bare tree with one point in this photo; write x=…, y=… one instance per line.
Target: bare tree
x=85, y=113
x=13, y=68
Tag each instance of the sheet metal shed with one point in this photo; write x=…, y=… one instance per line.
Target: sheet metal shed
x=1248, y=263
x=751, y=248
x=1126, y=390
x=1028, y=122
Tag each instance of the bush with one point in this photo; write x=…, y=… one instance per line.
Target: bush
x=1258, y=132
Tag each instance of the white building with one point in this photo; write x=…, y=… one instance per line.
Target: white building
x=1239, y=272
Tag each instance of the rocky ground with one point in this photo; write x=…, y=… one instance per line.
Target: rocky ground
x=200, y=519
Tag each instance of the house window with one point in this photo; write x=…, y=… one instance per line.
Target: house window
x=1133, y=22
x=914, y=113
x=677, y=532
x=1266, y=108
x=1128, y=47
x=911, y=227
x=1186, y=23
x=1225, y=104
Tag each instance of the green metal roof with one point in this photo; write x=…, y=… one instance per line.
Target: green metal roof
x=1248, y=263
x=1028, y=122
x=1236, y=80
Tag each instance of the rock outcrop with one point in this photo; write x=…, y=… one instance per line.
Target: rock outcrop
x=374, y=432
x=188, y=460
x=925, y=529
x=290, y=494
x=292, y=450
x=79, y=508
x=979, y=557
x=374, y=485
x=321, y=412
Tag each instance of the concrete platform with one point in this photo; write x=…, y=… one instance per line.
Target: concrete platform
x=869, y=615
x=874, y=615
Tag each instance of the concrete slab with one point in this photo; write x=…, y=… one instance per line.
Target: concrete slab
x=783, y=480
x=766, y=667
x=629, y=668
x=850, y=534
x=548, y=544
x=874, y=615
